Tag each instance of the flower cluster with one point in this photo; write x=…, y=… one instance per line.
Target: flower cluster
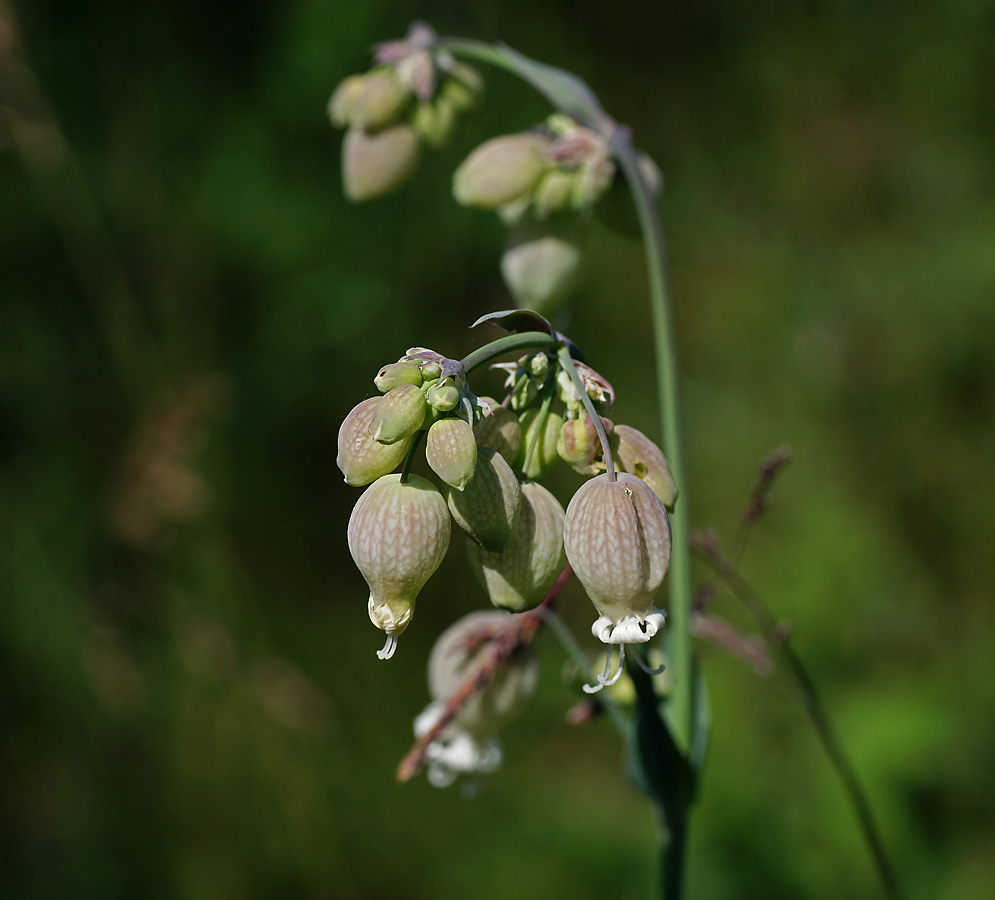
x=411, y=99
x=490, y=457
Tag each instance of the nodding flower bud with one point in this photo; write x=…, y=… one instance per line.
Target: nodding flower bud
x=617, y=539
x=398, y=535
x=395, y=374
x=361, y=458
x=374, y=165
x=451, y=451
x=580, y=447
x=378, y=102
x=399, y=414
x=344, y=99
x=540, y=264
x=521, y=577
x=540, y=434
x=498, y=428
x=443, y=397
x=487, y=508
x=500, y=171
x=639, y=456
x=467, y=745
x=435, y=122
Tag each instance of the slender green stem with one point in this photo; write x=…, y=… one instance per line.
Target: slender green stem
x=510, y=343
x=679, y=646
x=410, y=458
x=566, y=360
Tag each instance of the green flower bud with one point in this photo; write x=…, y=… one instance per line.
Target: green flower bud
x=521, y=577
x=395, y=374
x=544, y=457
x=554, y=193
x=344, y=99
x=460, y=651
x=464, y=88
x=362, y=459
x=487, y=508
x=374, y=165
x=580, y=447
x=500, y=171
x=451, y=451
x=379, y=103
x=430, y=370
x=498, y=428
x=639, y=456
x=398, y=536
x=617, y=538
x=541, y=263
x=443, y=397
x=435, y=122
x=399, y=414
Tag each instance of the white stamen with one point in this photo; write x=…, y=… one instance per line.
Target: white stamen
x=621, y=666
x=602, y=678
x=388, y=648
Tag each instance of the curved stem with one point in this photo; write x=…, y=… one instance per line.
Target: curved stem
x=526, y=340
x=679, y=645
x=566, y=360
x=410, y=458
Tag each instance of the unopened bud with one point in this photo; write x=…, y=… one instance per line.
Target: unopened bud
x=451, y=451
x=540, y=263
x=554, y=193
x=580, y=447
x=398, y=535
x=443, y=397
x=639, y=456
x=362, y=459
x=498, y=428
x=617, y=538
x=344, y=99
x=399, y=414
x=544, y=456
x=394, y=374
x=521, y=577
x=374, y=165
x=487, y=508
x=379, y=103
x=463, y=88
x=500, y=171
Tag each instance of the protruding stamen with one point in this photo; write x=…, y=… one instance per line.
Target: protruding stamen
x=603, y=677
x=647, y=669
x=621, y=666
x=388, y=648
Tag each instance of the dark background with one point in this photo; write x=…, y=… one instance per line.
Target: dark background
x=191, y=705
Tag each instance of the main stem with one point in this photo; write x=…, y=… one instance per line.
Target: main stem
x=679, y=709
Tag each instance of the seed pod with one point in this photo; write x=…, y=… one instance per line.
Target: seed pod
x=617, y=539
x=451, y=451
x=580, y=447
x=459, y=653
x=395, y=374
x=398, y=536
x=500, y=171
x=639, y=456
x=362, y=459
x=544, y=457
x=521, y=577
x=399, y=414
x=487, y=508
x=374, y=165
x=498, y=428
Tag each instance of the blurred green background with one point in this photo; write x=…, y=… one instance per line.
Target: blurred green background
x=191, y=703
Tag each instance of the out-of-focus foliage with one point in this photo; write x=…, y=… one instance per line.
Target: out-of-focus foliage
x=191, y=701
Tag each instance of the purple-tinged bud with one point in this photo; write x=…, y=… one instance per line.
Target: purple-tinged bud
x=398, y=535
x=362, y=459
x=374, y=165
x=580, y=447
x=544, y=456
x=500, y=171
x=451, y=451
x=639, y=456
x=399, y=414
x=395, y=374
x=617, y=539
x=498, y=428
x=521, y=577
x=487, y=508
